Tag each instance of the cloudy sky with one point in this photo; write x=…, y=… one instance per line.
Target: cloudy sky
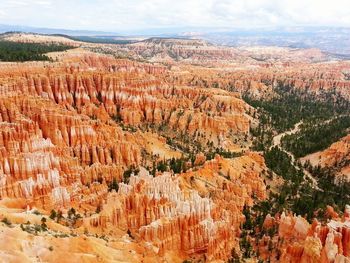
x=117, y=15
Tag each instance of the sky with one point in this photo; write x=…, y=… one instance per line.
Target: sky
x=122, y=15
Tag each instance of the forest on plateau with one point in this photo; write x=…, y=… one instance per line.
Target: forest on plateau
x=13, y=51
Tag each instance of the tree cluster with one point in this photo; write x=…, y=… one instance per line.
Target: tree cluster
x=13, y=51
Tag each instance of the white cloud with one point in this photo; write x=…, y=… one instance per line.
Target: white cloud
x=132, y=14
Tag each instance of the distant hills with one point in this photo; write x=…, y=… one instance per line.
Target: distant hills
x=43, y=30
x=334, y=40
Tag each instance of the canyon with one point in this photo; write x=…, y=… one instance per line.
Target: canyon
x=143, y=152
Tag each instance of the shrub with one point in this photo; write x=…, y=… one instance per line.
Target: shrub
x=6, y=221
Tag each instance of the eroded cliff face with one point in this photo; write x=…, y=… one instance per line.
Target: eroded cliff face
x=195, y=213
x=174, y=50
x=298, y=241
x=166, y=217
x=335, y=156
x=260, y=81
x=71, y=130
x=179, y=51
x=134, y=94
x=57, y=142
x=49, y=155
x=68, y=132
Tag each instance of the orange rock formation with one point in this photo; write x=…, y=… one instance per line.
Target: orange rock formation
x=170, y=213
